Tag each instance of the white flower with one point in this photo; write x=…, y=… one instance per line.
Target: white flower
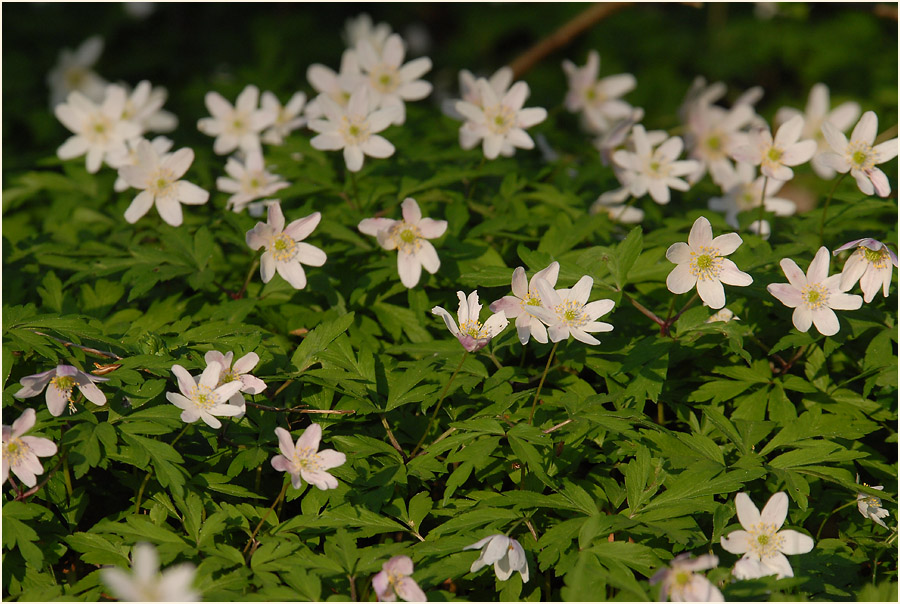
x=285, y=248
x=127, y=156
x=619, y=212
x=681, y=584
x=287, y=117
x=158, y=175
x=869, y=505
x=409, y=237
x=248, y=181
x=144, y=107
x=761, y=228
x=471, y=333
x=395, y=580
x=525, y=294
x=204, y=399
x=700, y=262
x=505, y=553
x=618, y=134
x=763, y=545
x=20, y=453
x=818, y=111
x=870, y=264
x=99, y=131
x=774, y=156
x=305, y=460
x=240, y=372
x=238, y=126
x=743, y=193
x=73, y=72
x=858, y=156
x=353, y=129
x=390, y=82
x=500, y=122
x=62, y=381
x=655, y=170
x=723, y=316
x=336, y=86
x=359, y=28
x=470, y=91
x=567, y=311
x=814, y=295
x=146, y=583
x=597, y=99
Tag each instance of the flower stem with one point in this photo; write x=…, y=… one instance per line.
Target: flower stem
x=762, y=202
x=266, y=515
x=438, y=406
x=140, y=494
x=355, y=190
x=825, y=209
x=828, y=517
x=644, y=310
x=253, y=266
x=627, y=205
x=541, y=383
x=392, y=438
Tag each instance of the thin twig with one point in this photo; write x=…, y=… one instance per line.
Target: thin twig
x=392, y=438
x=102, y=353
x=541, y=383
x=446, y=433
x=26, y=494
x=644, y=310
x=438, y=406
x=266, y=515
x=531, y=528
x=558, y=426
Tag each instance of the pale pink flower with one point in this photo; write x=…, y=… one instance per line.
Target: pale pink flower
x=62, y=381
x=505, y=553
x=286, y=251
x=204, y=399
x=395, y=580
x=680, y=583
x=146, y=583
x=240, y=372
x=390, y=82
x=525, y=294
x=598, y=99
x=304, y=460
x=814, y=295
x=472, y=333
x=236, y=126
x=249, y=181
x=567, y=311
x=763, y=545
x=774, y=156
x=858, y=156
x=870, y=264
x=20, y=453
x=410, y=238
x=654, y=171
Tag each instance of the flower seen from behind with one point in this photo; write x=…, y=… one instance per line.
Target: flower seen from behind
x=775, y=156
x=204, y=399
x=681, y=582
x=871, y=263
x=567, y=311
x=395, y=580
x=701, y=262
x=869, y=505
x=249, y=181
x=159, y=177
x=236, y=126
x=146, y=584
x=858, y=155
x=61, y=382
x=286, y=252
x=814, y=296
x=761, y=542
x=472, y=333
x=20, y=453
x=525, y=294
x=505, y=553
x=304, y=460
x=410, y=238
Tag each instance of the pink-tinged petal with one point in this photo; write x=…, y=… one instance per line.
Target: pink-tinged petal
x=252, y=384
x=378, y=147
x=209, y=378
x=737, y=542
x=866, y=128
x=802, y=318
x=581, y=291
x=329, y=458
x=431, y=228
x=825, y=321
x=799, y=153
x=372, y=226
x=584, y=337
x=727, y=244
x=22, y=424
x=139, y=206
x=32, y=385
x=75, y=146
x=27, y=477
x=701, y=234
x=549, y=297
x=189, y=416
x=275, y=218
x=747, y=513
x=519, y=283
x=409, y=268
x=310, y=438
x=320, y=480
x=385, y=240
x=400, y=565
x=789, y=132
x=862, y=181
x=681, y=279
x=42, y=447
x=750, y=568
x=226, y=391
x=531, y=116
x=448, y=319
x=353, y=158
x=189, y=193
x=285, y=443
x=870, y=284
x=300, y=229
x=731, y=275
x=295, y=481
x=243, y=364
x=510, y=305
x=793, y=273
x=92, y=393
x=281, y=463
x=258, y=236
x=558, y=333
x=409, y=590
x=217, y=105
x=542, y=313
x=226, y=409
x=854, y=268
x=209, y=419
x=818, y=268
x=427, y=257
x=411, y=212
x=169, y=210
x=775, y=510
x=711, y=292
x=597, y=327
x=292, y=272
x=679, y=253
x=186, y=383
x=835, y=138
x=310, y=254
x=879, y=182
x=327, y=141
x=550, y=274
x=381, y=585
x=795, y=543
x=886, y=151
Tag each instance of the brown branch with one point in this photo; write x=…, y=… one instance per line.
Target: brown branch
x=66, y=343
x=565, y=34
x=885, y=11
x=558, y=426
x=299, y=410
x=393, y=439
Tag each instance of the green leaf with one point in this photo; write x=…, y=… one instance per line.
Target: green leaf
x=625, y=255
x=318, y=340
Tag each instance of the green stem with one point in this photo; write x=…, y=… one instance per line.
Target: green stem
x=249, y=276
x=825, y=209
x=828, y=517
x=140, y=494
x=762, y=202
x=355, y=188
x=266, y=515
x=180, y=434
x=438, y=406
x=541, y=383
x=627, y=205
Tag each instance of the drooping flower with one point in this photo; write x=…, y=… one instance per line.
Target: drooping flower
x=249, y=181
x=763, y=545
x=304, y=460
x=681, y=583
x=567, y=311
x=505, y=553
x=395, y=580
x=597, y=99
x=472, y=333
x=353, y=128
x=869, y=505
x=870, y=264
x=240, y=372
x=204, y=399
x=410, y=238
x=744, y=192
x=74, y=72
x=654, y=171
x=98, y=130
x=500, y=123
x=701, y=262
x=286, y=251
x=858, y=156
x=287, y=117
x=20, y=453
x=146, y=584
x=127, y=156
x=62, y=381
x=774, y=156
x=236, y=126
x=525, y=294
x=813, y=296
x=336, y=86
x=390, y=82
x=144, y=107
x=818, y=111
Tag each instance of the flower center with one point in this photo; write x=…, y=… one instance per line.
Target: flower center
x=767, y=542
x=682, y=578
x=473, y=328
x=355, y=132
x=862, y=156
x=307, y=459
x=500, y=119
x=204, y=398
x=657, y=168
x=706, y=264
x=160, y=184
x=531, y=299
x=283, y=248
x=98, y=130
x=872, y=502
x=228, y=376
x=385, y=80
x=407, y=236
x=814, y=295
x=748, y=199
x=15, y=451
x=64, y=384
x=877, y=258
x=774, y=154
x=74, y=77
x=714, y=143
x=570, y=313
